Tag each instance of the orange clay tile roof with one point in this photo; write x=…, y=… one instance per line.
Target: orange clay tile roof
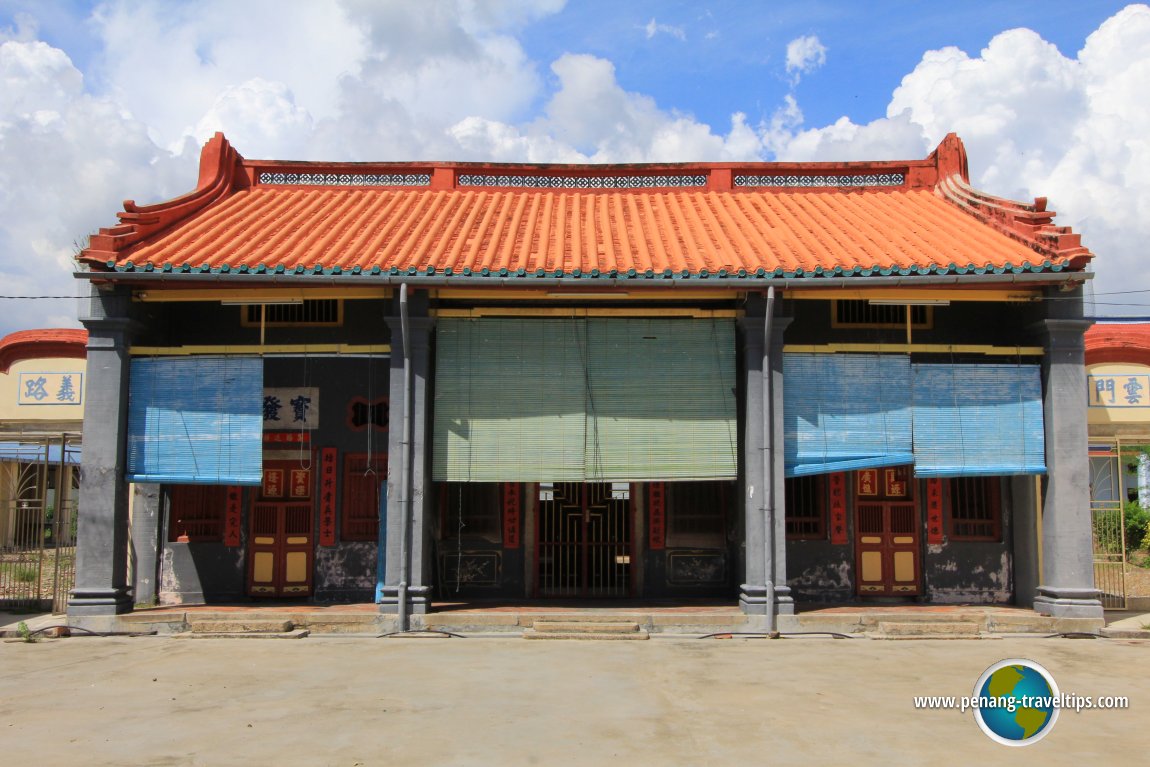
x=38, y=344
x=1118, y=342
x=667, y=221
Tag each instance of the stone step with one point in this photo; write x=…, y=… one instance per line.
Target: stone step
x=240, y=626
x=586, y=635
x=290, y=634
x=586, y=627
x=927, y=630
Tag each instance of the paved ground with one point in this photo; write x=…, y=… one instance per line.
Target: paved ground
x=351, y=701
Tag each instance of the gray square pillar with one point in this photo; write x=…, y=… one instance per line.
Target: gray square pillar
x=417, y=572
x=763, y=471
x=1067, y=584
x=101, y=586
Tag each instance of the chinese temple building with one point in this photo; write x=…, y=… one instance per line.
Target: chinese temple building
x=767, y=383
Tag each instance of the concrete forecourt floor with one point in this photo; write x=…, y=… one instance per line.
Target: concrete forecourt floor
x=503, y=701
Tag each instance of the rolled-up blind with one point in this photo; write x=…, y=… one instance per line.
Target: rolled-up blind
x=540, y=400
x=845, y=411
x=196, y=420
x=977, y=420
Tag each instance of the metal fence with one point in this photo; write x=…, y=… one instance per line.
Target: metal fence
x=39, y=482
x=1113, y=479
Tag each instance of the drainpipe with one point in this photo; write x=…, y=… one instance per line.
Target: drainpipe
x=405, y=463
x=768, y=464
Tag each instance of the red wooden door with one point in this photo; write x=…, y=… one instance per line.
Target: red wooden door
x=887, y=534
x=281, y=540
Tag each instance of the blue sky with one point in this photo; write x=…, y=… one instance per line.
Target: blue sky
x=106, y=101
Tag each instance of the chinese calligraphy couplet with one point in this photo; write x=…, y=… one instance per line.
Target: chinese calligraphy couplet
x=837, y=487
x=327, y=470
x=934, y=510
x=512, y=499
x=657, y=514
x=233, y=513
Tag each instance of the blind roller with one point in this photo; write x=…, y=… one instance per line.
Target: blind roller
x=972, y=420
x=195, y=420
x=845, y=411
x=537, y=400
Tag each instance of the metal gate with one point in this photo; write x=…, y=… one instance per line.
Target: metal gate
x=1108, y=522
x=584, y=540
x=39, y=486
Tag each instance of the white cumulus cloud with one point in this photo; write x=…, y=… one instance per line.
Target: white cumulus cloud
x=805, y=55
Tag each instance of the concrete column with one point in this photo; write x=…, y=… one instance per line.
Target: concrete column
x=784, y=602
x=753, y=591
x=146, y=542
x=1067, y=583
x=420, y=571
x=101, y=587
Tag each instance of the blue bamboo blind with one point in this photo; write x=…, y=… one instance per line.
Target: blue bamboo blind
x=196, y=420
x=845, y=411
x=978, y=420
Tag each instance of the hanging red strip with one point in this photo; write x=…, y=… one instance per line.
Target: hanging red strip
x=838, y=491
x=512, y=499
x=328, y=457
x=233, y=516
x=934, y=511
x=657, y=514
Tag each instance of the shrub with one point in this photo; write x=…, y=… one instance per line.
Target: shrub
x=1137, y=526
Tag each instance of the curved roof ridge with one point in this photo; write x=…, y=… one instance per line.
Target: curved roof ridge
x=40, y=343
x=1030, y=223
x=221, y=168
x=1119, y=343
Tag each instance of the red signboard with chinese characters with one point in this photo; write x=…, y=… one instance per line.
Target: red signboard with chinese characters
x=512, y=499
x=233, y=516
x=301, y=483
x=273, y=483
x=327, y=470
x=286, y=437
x=934, y=511
x=837, y=484
x=868, y=482
x=657, y=514
x=895, y=484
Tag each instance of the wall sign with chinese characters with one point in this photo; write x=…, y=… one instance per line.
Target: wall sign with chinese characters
x=934, y=510
x=837, y=483
x=294, y=408
x=657, y=515
x=868, y=481
x=50, y=389
x=327, y=470
x=1118, y=390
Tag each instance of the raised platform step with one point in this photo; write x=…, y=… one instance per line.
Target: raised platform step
x=926, y=630
x=586, y=635
x=291, y=634
x=585, y=627
x=240, y=626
